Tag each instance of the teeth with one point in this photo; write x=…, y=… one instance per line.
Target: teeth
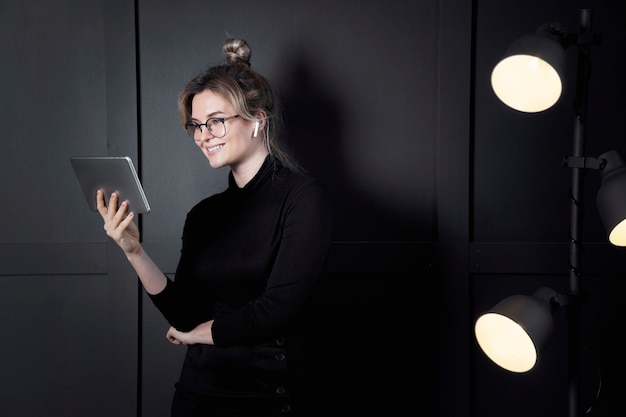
x=213, y=148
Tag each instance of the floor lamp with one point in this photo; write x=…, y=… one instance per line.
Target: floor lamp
x=529, y=79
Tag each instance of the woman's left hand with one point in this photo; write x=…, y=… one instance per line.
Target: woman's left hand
x=201, y=334
x=176, y=337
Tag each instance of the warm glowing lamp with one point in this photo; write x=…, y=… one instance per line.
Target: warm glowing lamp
x=611, y=199
x=529, y=78
x=517, y=329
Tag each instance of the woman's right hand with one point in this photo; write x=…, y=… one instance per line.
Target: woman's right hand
x=119, y=224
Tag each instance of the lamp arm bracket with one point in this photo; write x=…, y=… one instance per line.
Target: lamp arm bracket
x=566, y=299
x=561, y=300
x=584, y=162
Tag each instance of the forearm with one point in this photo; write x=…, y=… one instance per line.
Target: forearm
x=203, y=333
x=150, y=275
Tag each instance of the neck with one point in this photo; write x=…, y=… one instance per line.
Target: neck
x=245, y=171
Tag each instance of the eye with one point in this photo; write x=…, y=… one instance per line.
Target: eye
x=191, y=128
x=216, y=121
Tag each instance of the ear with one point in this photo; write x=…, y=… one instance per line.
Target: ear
x=259, y=122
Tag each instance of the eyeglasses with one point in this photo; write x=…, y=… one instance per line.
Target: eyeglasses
x=215, y=125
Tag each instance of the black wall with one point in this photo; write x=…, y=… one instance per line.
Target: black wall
x=446, y=201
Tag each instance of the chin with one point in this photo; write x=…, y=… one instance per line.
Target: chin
x=215, y=163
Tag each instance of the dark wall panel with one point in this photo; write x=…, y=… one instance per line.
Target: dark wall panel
x=68, y=302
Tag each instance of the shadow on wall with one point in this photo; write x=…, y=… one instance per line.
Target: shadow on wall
x=372, y=341
x=315, y=120
x=363, y=323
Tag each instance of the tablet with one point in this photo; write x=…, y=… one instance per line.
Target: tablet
x=110, y=173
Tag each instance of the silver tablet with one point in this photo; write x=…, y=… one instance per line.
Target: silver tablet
x=110, y=173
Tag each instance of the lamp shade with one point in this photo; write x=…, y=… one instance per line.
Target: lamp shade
x=611, y=198
x=529, y=77
x=516, y=330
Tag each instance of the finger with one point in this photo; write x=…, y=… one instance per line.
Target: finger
x=170, y=336
x=121, y=211
x=113, y=204
x=100, y=203
x=172, y=339
x=107, y=211
x=124, y=223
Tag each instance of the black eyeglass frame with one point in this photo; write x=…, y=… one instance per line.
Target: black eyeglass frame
x=198, y=126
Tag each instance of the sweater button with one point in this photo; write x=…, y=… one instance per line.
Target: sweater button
x=280, y=390
x=280, y=357
x=280, y=341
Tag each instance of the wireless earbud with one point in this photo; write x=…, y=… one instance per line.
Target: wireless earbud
x=256, y=129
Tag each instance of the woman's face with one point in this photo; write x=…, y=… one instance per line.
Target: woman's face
x=237, y=146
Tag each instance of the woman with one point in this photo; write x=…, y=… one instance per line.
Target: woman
x=250, y=257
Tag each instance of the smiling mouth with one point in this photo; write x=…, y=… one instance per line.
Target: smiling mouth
x=215, y=148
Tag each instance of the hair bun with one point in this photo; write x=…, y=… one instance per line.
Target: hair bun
x=237, y=51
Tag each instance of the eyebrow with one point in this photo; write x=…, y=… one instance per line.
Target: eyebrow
x=209, y=116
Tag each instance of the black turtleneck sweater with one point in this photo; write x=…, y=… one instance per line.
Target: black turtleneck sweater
x=250, y=259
